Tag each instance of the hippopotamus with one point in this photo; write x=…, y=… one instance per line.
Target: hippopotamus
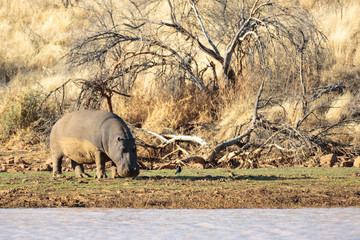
x=89, y=136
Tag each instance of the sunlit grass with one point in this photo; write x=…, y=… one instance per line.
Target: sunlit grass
x=205, y=188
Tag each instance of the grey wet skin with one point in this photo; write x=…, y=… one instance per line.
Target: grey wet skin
x=88, y=137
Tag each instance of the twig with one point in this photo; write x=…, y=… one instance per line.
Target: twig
x=329, y=88
x=331, y=127
x=161, y=138
x=184, y=138
x=279, y=147
x=173, y=138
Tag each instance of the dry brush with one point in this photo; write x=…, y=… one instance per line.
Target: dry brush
x=209, y=54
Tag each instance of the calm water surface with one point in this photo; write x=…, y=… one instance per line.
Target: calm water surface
x=97, y=223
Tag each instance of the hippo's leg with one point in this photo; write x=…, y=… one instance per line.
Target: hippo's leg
x=100, y=165
x=114, y=170
x=79, y=170
x=57, y=161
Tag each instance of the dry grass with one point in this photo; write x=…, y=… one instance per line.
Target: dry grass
x=163, y=112
x=37, y=33
x=20, y=112
x=339, y=21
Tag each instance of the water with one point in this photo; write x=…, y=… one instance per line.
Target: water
x=96, y=223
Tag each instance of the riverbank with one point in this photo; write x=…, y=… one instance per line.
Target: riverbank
x=193, y=188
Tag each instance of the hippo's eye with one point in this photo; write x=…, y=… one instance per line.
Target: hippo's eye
x=118, y=139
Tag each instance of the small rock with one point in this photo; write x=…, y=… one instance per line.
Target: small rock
x=328, y=160
x=46, y=167
x=21, y=165
x=357, y=162
x=49, y=161
x=11, y=170
x=9, y=160
x=18, y=160
x=346, y=164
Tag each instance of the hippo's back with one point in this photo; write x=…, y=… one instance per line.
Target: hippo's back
x=81, y=124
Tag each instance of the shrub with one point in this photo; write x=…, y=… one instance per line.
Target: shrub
x=20, y=111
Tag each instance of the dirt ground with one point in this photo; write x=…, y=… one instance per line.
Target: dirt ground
x=243, y=191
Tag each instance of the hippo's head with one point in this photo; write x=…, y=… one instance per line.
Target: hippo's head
x=123, y=153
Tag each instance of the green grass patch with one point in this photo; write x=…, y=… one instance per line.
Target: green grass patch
x=193, y=188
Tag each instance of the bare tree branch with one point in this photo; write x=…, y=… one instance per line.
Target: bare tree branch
x=191, y=2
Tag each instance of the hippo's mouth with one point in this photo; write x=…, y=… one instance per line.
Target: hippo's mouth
x=129, y=173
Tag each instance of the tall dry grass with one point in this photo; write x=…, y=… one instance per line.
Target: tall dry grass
x=167, y=112
x=35, y=36
x=340, y=22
